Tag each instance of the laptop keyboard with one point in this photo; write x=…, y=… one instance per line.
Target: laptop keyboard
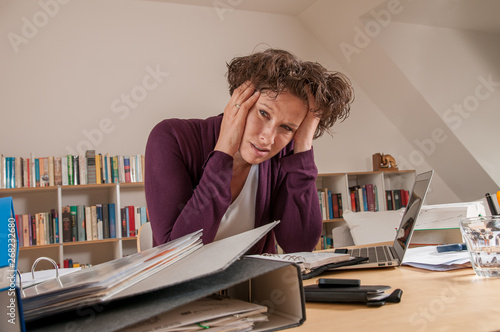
x=379, y=254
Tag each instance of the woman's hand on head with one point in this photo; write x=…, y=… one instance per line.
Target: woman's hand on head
x=304, y=135
x=234, y=119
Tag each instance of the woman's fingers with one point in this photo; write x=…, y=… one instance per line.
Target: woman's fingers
x=234, y=119
x=241, y=95
x=304, y=135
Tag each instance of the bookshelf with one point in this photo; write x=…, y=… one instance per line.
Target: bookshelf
x=36, y=199
x=342, y=183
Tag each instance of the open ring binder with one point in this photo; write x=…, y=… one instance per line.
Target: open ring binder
x=46, y=259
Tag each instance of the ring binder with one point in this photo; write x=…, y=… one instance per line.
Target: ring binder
x=47, y=259
x=10, y=297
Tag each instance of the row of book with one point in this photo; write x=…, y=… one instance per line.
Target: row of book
x=69, y=264
x=396, y=199
x=330, y=204
x=325, y=242
x=79, y=223
x=365, y=198
x=90, y=168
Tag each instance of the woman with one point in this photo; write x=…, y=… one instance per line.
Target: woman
x=252, y=165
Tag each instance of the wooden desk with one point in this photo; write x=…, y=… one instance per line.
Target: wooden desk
x=455, y=300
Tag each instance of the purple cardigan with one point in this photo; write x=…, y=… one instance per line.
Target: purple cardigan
x=187, y=187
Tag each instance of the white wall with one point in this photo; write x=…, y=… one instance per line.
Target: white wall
x=67, y=81
x=63, y=82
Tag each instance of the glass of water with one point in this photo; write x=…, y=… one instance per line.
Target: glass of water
x=482, y=236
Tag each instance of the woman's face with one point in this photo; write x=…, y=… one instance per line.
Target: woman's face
x=270, y=126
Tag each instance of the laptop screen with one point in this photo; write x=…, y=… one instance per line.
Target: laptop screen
x=405, y=231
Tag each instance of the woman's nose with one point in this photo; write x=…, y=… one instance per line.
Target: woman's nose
x=267, y=135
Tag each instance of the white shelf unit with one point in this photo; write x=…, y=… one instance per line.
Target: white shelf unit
x=388, y=180
x=43, y=199
x=383, y=180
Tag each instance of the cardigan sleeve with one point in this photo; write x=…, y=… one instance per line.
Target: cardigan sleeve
x=296, y=203
x=178, y=205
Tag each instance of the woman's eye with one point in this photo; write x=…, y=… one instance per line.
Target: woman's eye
x=263, y=113
x=288, y=128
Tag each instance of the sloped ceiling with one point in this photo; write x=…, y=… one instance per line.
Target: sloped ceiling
x=361, y=36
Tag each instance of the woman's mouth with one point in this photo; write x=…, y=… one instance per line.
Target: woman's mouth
x=259, y=151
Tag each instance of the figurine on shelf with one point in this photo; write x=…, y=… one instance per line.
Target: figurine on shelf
x=384, y=162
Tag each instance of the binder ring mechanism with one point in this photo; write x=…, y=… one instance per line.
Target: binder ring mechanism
x=33, y=271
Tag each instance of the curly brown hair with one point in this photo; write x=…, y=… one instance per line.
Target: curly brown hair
x=278, y=70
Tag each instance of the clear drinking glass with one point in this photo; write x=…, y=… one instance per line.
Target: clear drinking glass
x=482, y=236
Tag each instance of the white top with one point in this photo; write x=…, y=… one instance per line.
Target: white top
x=240, y=215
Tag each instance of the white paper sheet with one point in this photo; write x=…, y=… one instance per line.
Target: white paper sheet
x=430, y=259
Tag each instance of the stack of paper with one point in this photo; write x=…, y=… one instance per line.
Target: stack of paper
x=102, y=281
x=214, y=314
x=429, y=258
x=442, y=216
x=307, y=260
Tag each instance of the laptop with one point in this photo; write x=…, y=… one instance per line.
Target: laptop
x=392, y=255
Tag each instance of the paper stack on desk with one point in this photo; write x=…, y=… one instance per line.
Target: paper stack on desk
x=430, y=259
x=307, y=260
x=214, y=314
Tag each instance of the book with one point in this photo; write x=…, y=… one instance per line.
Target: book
x=26, y=230
x=91, y=166
x=131, y=221
x=330, y=205
x=66, y=223
x=114, y=166
x=126, y=169
x=18, y=172
x=57, y=171
x=396, y=195
x=74, y=222
x=64, y=171
x=98, y=165
x=112, y=220
x=33, y=230
x=80, y=215
x=99, y=222
x=51, y=170
x=341, y=208
x=76, y=170
x=93, y=214
x=55, y=221
x=307, y=260
x=71, y=176
x=105, y=220
x=88, y=223
x=389, y=200
x=370, y=197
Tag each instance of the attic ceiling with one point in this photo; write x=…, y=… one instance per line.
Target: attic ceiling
x=480, y=15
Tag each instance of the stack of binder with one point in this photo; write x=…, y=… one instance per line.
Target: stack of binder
x=120, y=294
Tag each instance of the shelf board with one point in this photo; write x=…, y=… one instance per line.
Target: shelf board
x=27, y=189
x=333, y=220
x=73, y=187
x=364, y=173
x=44, y=246
x=77, y=243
